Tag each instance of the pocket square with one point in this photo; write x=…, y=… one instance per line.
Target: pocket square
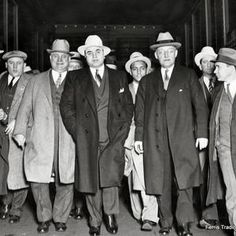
x=180, y=90
x=121, y=90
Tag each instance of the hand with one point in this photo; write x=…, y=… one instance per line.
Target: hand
x=138, y=146
x=10, y=127
x=20, y=139
x=3, y=115
x=201, y=143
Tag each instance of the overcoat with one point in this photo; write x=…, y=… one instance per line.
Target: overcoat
x=216, y=187
x=16, y=176
x=35, y=120
x=79, y=113
x=187, y=119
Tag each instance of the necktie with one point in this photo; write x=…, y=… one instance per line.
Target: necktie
x=229, y=93
x=98, y=78
x=11, y=83
x=211, y=85
x=58, y=81
x=166, y=79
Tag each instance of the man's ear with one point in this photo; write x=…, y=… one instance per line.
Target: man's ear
x=6, y=64
x=176, y=53
x=155, y=54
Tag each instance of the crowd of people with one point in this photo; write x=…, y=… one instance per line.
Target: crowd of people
x=84, y=127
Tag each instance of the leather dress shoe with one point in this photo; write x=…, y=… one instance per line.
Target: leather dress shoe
x=4, y=212
x=78, y=215
x=13, y=219
x=165, y=230
x=43, y=227
x=110, y=223
x=94, y=230
x=183, y=230
x=208, y=224
x=60, y=227
x=147, y=225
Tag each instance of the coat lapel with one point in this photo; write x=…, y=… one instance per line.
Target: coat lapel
x=19, y=90
x=45, y=80
x=89, y=91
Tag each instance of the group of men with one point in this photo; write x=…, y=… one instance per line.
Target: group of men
x=79, y=128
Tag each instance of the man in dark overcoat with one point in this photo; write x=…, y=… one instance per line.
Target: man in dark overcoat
x=171, y=119
x=97, y=109
x=222, y=142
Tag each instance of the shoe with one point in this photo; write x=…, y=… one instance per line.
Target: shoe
x=93, y=230
x=78, y=215
x=208, y=224
x=4, y=212
x=165, y=230
x=43, y=227
x=110, y=223
x=13, y=219
x=147, y=225
x=184, y=230
x=60, y=227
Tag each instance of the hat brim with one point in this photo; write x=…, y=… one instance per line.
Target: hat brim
x=226, y=61
x=51, y=51
x=82, y=49
x=175, y=44
x=141, y=58
x=200, y=55
x=1, y=51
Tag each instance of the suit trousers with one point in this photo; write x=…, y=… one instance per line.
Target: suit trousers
x=144, y=206
x=208, y=212
x=61, y=208
x=105, y=199
x=16, y=198
x=224, y=157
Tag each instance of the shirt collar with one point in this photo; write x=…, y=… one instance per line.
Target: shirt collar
x=55, y=75
x=100, y=69
x=170, y=70
x=10, y=77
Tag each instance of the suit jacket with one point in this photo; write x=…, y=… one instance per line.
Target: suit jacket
x=35, y=120
x=79, y=113
x=187, y=119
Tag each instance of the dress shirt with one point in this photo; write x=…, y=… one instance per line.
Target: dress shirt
x=232, y=87
x=55, y=76
x=100, y=72
x=10, y=79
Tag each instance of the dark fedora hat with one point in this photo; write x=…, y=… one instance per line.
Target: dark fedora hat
x=165, y=39
x=227, y=55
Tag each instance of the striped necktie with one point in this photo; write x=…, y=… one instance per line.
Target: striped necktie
x=11, y=83
x=98, y=78
x=58, y=81
x=211, y=85
x=166, y=79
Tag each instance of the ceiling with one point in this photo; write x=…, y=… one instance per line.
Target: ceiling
x=148, y=12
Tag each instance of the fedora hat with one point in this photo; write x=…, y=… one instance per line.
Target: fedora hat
x=75, y=56
x=226, y=55
x=206, y=51
x=15, y=53
x=93, y=41
x=60, y=45
x=137, y=56
x=165, y=39
x=1, y=51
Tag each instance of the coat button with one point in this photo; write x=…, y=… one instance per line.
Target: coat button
x=157, y=146
x=158, y=98
x=86, y=131
x=86, y=115
x=157, y=130
x=157, y=114
x=83, y=100
x=119, y=114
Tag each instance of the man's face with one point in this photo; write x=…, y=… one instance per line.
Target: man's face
x=15, y=66
x=166, y=56
x=94, y=56
x=223, y=71
x=59, y=61
x=138, y=69
x=75, y=65
x=207, y=66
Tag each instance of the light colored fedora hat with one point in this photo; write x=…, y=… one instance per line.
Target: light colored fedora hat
x=93, y=41
x=227, y=55
x=137, y=56
x=206, y=51
x=60, y=45
x=165, y=39
x=15, y=53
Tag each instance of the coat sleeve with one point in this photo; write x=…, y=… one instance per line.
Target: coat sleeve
x=139, y=110
x=200, y=107
x=67, y=106
x=25, y=110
